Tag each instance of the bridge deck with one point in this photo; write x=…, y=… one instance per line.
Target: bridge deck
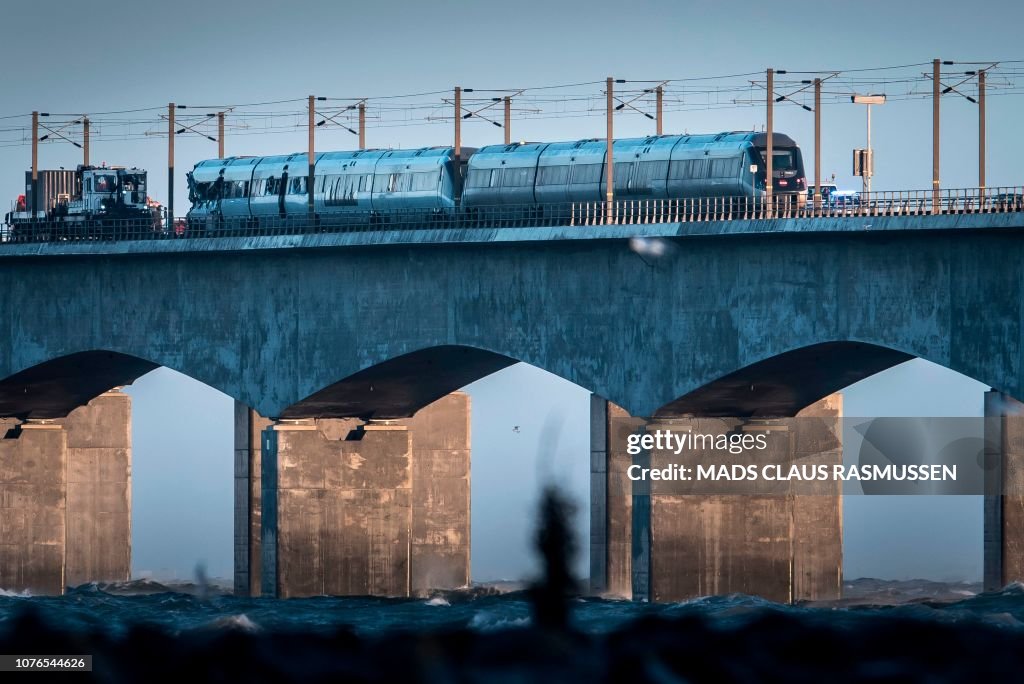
x=408, y=236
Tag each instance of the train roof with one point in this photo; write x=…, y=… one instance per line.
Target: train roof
x=757, y=139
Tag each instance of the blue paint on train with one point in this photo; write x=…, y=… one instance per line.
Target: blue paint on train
x=427, y=184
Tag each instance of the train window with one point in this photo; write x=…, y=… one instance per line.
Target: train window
x=689, y=169
x=586, y=174
x=728, y=167
x=364, y=182
x=105, y=183
x=384, y=182
x=783, y=159
x=425, y=181
x=478, y=178
x=518, y=177
x=495, y=180
x=647, y=173
x=553, y=175
x=298, y=185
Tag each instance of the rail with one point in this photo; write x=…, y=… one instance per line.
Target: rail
x=576, y=214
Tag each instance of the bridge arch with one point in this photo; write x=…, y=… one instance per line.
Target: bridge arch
x=55, y=387
x=782, y=384
x=401, y=385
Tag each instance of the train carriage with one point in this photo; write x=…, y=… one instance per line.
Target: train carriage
x=344, y=187
x=521, y=181
x=414, y=185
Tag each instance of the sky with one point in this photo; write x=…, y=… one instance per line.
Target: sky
x=134, y=57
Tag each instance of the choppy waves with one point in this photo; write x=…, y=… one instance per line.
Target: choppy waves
x=177, y=607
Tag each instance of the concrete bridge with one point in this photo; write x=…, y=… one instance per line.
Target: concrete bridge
x=741, y=319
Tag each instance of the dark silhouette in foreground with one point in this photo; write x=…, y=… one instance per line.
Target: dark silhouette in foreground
x=557, y=548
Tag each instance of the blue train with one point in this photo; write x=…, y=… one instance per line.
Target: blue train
x=429, y=184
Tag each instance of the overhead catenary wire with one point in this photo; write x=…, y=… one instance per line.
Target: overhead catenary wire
x=576, y=100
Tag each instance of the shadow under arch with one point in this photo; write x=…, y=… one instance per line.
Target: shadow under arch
x=784, y=384
x=54, y=388
x=400, y=386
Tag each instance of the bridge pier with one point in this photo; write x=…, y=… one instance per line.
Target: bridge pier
x=99, y=502
x=1003, y=536
x=65, y=498
x=342, y=507
x=670, y=540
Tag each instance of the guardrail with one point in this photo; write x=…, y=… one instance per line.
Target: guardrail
x=578, y=214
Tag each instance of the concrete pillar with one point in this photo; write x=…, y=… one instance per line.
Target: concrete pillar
x=336, y=509
x=598, y=495
x=818, y=506
x=1004, y=491
x=676, y=541
x=249, y=427
x=33, y=488
x=99, y=503
x=611, y=499
x=779, y=541
x=440, y=441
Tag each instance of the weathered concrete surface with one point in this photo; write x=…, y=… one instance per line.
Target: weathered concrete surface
x=336, y=509
x=440, y=536
x=249, y=427
x=33, y=471
x=439, y=439
x=598, y=495
x=611, y=499
x=274, y=327
x=1003, y=544
x=818, y=506
x=99, y=507
x=780, y=541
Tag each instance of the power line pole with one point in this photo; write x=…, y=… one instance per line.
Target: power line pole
x=309, y=158
x=170, y=168
x=35, y=164
x=85, y=141
x=769, y=147
x=981, y=132
x=362, y=125
x=458, y=125
x=817, y=143
x=508, y=120
x=220, y=135
x=936, y=94
x=659, y=94
x=609, y=176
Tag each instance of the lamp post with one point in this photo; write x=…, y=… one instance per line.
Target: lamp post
x=868, y=160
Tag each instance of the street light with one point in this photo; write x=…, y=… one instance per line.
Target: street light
x=867, y=159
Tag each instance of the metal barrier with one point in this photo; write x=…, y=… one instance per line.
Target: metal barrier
x=576, y=215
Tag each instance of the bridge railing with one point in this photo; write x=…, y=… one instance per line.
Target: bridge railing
x=881, y=203
x=575, y=215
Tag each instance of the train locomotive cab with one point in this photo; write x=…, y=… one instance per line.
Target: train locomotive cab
x=789, y=181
